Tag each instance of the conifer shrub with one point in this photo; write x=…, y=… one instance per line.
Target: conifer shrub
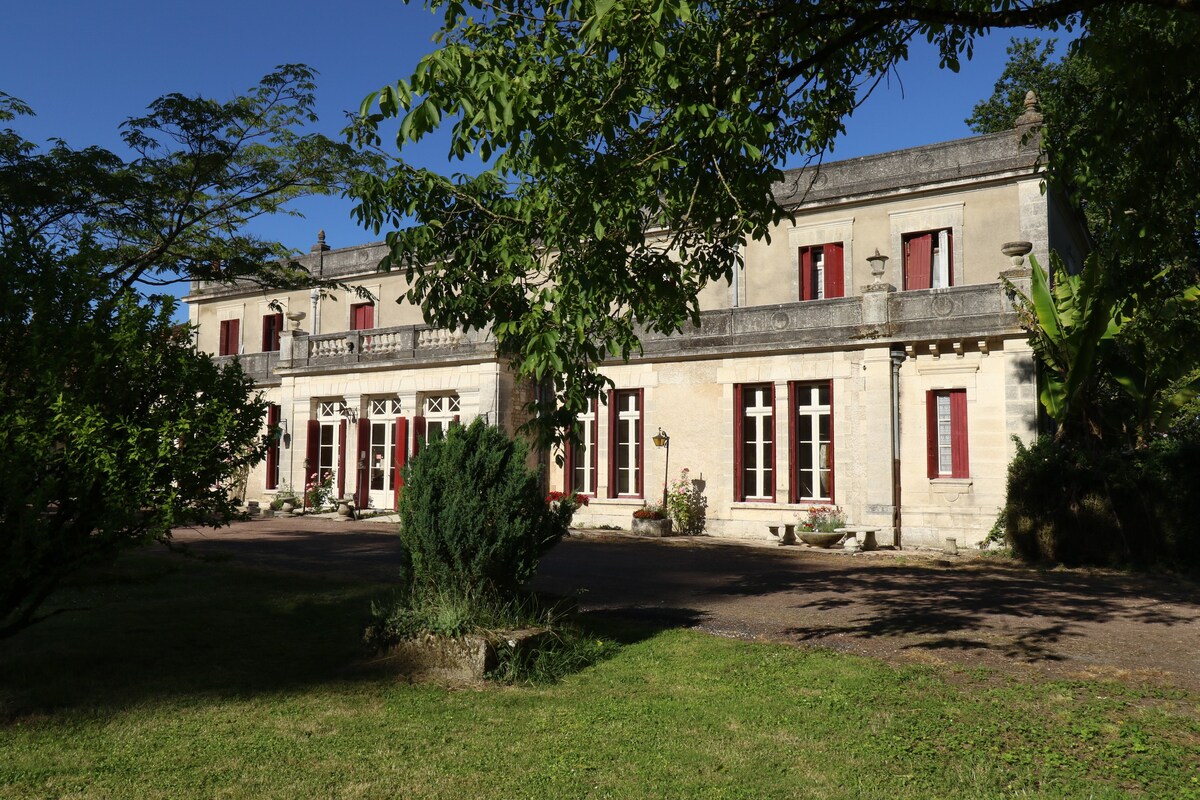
x=473, y=517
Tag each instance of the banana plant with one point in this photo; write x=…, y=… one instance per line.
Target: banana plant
x=1076, y=332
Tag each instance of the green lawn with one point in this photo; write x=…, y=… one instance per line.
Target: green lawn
x=173, y=678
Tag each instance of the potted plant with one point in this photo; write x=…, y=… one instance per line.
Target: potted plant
x=686, y=504
x=285, y=496
x=318, y=491
x=818, y=527
x=564, y=504
x=651, y=520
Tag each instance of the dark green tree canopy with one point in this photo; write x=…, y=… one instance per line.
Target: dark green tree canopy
x=1122, y=140
x=629, y=150
x=114, y=428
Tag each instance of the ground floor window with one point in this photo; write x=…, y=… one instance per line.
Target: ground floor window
x=812, y=441
x=274, y=435
x=625, y=443
x=581, y=454
x=946, y=431
x=754, y=434
x=440, y=411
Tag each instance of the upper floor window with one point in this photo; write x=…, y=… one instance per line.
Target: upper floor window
x=362, y=316
x=231, y=337
x=928, y=258
x=821, y=272
x=272, y=326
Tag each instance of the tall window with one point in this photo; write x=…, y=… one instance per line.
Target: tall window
x=754, y=431
x=440, y=411
x=625, y=443
x=231, y=337
x=274, y=434
x=362, y=316
x=581, y=455
x=927, y=260
x=812, y=441
x=946, y=431
x=327, y=452
x=382, y=440
x=821, y=272
x=272, y=326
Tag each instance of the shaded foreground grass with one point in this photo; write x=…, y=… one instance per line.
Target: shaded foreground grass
x=178, y=678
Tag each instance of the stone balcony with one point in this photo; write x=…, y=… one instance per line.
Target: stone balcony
x=381, y=348
x=880, y=315
x=948, y=319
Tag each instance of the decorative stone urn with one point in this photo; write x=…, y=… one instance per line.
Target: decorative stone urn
x=819, y=539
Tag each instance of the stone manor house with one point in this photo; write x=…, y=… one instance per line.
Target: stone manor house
x=868, y=356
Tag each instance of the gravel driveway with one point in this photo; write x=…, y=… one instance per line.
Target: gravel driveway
x=898, y=607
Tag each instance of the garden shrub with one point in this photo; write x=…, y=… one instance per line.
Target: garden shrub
x=1071, y=505
x=472, y=516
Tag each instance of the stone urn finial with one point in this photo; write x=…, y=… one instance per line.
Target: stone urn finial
x=1017, y=252
x=320, y=246
x=1032, y=115
x=294, y=318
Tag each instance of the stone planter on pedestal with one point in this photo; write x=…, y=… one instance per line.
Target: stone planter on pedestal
x=652, y=527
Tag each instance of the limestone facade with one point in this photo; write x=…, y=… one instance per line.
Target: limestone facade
x=897, y=404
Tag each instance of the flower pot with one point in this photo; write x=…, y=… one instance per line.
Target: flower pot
x=652, y=527
x=287, y=507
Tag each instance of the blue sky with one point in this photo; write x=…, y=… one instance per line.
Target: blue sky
x=85, y=66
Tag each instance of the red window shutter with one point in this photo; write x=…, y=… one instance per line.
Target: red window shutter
x=273, y=435
x=739, y=492
x=362, y=481
x=931, y=433
x=419, y=434
x=400, y=437
x=834, y=276
x=918, y=261
x=230, y=337
x=272, y=326
x=959, y=460
x=341, y=467
x=362, y=316
x=793, y=445
x=612, y=442
x=832, y=422
x=568, y=464
x=807, y=290
x=312, y=450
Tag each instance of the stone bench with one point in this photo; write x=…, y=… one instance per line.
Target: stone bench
x=863, y=535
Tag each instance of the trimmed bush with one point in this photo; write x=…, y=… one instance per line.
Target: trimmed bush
x=1070, y=505
x=472, y=516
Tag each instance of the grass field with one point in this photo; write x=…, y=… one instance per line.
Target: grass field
x=172, y=678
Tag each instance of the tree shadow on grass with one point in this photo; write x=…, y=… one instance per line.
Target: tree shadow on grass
x=157, y=626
